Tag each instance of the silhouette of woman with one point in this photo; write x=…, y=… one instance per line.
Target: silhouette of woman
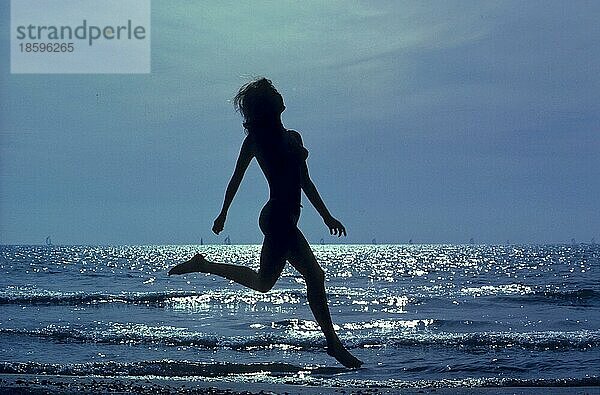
x=282, y=158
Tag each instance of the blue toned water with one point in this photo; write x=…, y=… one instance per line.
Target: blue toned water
x=417, y=315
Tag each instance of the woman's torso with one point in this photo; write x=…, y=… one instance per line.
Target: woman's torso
x=281, y=157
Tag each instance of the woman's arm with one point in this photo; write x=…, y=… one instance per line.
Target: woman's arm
x=244, y=158
x=310, y=190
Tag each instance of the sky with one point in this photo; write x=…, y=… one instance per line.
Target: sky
x=425, y=120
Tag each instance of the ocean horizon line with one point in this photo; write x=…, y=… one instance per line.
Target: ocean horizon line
x=540, y=243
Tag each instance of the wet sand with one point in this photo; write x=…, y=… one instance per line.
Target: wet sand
x=42, y=384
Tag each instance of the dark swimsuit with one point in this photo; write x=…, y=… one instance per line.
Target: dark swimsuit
x=282, y=162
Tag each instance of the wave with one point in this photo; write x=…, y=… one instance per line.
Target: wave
x=167, y=368
x=193, y=299
x=579, y=294
x=271, y=372
x=578, y=297
x=169, y=337
x=540, y=341
x=311, y=339
x=49, y=298
x=159, y=299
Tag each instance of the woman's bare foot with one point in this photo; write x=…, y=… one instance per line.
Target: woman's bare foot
x=339, y=352
x=193, y=265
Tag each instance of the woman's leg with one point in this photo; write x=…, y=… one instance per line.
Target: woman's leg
x=303, y=259
x=272, y=262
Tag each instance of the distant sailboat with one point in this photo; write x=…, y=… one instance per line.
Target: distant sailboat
x=410, y=241
x=201, y=242
x=48, y=241
x=322, y=241
x=227, y=240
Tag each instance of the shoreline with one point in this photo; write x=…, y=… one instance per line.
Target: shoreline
x=67, y=385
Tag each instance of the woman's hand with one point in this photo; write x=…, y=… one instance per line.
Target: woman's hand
x=335, y=226
x=219, y=223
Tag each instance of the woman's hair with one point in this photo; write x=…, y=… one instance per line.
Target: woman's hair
x=259, y=103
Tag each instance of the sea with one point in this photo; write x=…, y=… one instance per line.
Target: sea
x=417, y=315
